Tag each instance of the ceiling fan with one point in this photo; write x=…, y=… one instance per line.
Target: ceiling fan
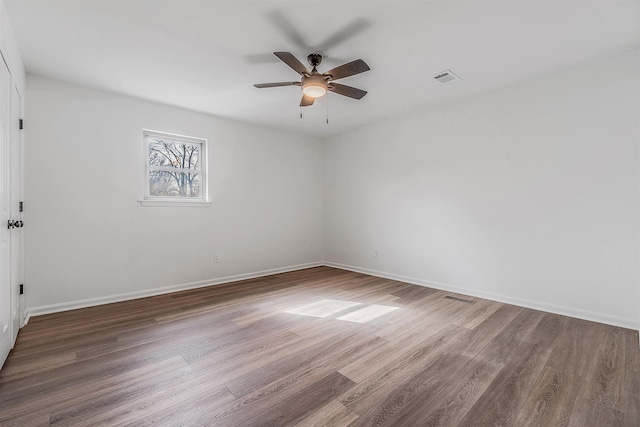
x=314, y=84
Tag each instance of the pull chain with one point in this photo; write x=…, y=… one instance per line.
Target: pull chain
x=327, y=103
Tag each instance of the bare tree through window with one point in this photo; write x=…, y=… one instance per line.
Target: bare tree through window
x=179, y=156
x=174, y=166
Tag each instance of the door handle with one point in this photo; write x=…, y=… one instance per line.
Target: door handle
x=14, y=224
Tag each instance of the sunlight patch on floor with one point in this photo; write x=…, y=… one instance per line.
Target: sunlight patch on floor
x=323, y=308
x=368, y=313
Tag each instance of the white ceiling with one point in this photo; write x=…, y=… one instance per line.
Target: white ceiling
x=206, y=55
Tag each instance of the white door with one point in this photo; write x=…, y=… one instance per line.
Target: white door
x=6, y=339
x=17, y=269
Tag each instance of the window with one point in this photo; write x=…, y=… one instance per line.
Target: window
x=175, y=169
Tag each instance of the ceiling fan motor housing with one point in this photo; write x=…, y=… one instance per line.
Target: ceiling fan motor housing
x=314, y=59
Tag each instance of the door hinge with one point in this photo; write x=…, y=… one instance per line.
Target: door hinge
x=21, y=124
x=21, y=289
x=21, y=206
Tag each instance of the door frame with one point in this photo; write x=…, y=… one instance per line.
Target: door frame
x=17, y=235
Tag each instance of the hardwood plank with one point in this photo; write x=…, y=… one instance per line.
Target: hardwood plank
x=333, y=414
x=411, y=293
x=14, y=369
x=632, y=410
x=326, y=327
x=484, y=333
x=369, y=392
x=632, y=357
x=67, y=394
x=552, y=398
x=524, y=329
x=164, y=407
x=605, y=374
x=452, y=340
x=228, y=370
x=429, y=399
x=238, y=366
x=632, y=397
x=388, y=353
x=106, y=402
x=272, y=404
x=31, y=420
x=339, y=350
x=589, y=413
x=398, y=407
x=449, y=406
x=307, y=400
x=479, y=312
x=440, y=315
x=632, y=382
x=436, y=313
x=507, y=394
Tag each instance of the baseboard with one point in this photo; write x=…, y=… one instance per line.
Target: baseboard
x=536, y=305
x=73, y=305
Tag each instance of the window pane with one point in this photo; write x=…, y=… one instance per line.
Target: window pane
x=174, y=184
x=168, y=153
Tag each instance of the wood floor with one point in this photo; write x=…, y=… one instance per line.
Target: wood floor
x=259, y=353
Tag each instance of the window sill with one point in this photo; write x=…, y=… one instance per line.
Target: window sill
x=175, y=203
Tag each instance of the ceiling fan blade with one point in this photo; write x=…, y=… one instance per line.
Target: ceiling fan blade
x=350, y=30
x=292, y=62
x=306, y=101
x=278, y=84
x=351, y=92
x=349, y=69
x=285, y=26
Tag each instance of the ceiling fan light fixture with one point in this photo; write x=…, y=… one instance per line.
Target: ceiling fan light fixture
x=314, y=89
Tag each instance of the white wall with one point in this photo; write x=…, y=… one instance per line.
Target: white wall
x=88, y=238
x=527, y=195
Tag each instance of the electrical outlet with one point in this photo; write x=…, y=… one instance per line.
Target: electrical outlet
x=217, y=257
x=375, y=253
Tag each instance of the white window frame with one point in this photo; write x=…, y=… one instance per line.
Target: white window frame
x=148, y=199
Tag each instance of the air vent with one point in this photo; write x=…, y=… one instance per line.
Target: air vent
x=468, y=301
x=446, y=76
